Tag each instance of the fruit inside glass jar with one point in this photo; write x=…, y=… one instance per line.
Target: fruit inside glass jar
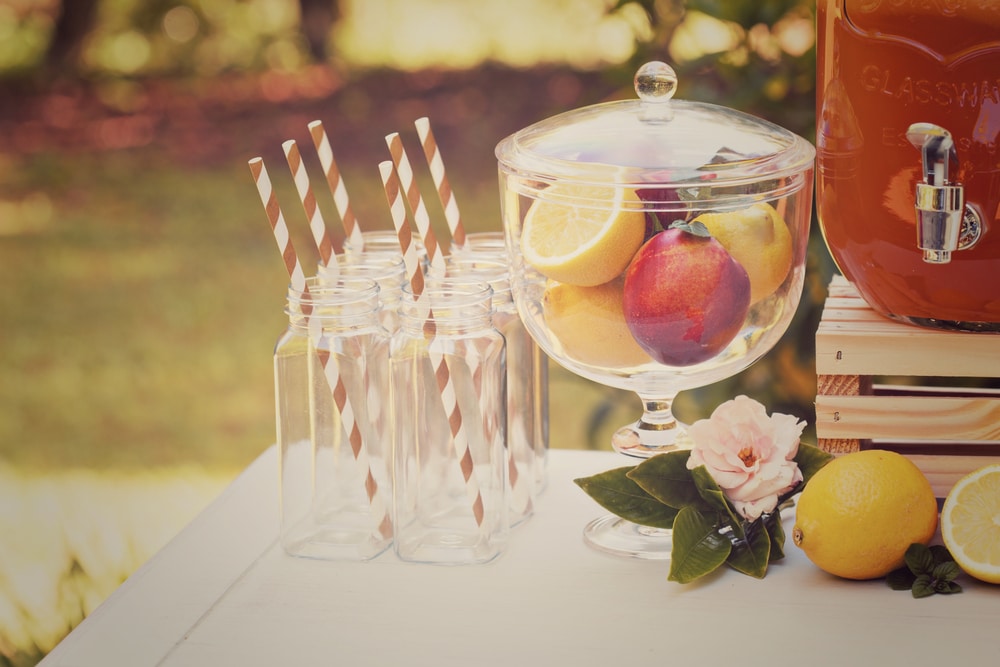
x=689, y=290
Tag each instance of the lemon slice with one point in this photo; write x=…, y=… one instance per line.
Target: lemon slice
x=583, y=234
x=970, y=523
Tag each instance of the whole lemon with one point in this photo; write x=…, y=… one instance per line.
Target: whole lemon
x=759, y=240
x=861, y=511
x=589, y=324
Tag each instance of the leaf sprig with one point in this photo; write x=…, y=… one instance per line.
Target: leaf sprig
x=707, y=531
x=928, y=570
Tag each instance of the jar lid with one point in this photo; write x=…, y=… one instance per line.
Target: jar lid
x=699, y=151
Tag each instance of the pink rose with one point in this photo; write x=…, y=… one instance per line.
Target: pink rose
x=749, y=455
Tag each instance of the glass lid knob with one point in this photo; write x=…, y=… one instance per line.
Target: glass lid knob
x=655, y=82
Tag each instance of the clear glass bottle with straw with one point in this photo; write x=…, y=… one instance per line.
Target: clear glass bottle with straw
x=381, y=241
x=331, y=369
x=523, y=452
x=448, y=386
x=386, y=269
x=490, y=247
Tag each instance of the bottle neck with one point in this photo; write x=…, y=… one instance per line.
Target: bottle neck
x=447, y=307
x=341, y=304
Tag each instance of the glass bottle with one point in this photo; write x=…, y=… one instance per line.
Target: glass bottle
x=448, y=387
x=524, y=450
x=384, y=268
x=331, y=382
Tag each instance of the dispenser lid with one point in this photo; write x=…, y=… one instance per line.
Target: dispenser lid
x=658, y=142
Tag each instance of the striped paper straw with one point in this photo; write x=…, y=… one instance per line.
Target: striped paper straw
x=336, y=183
x=354, y=437
x=444, y=191
x=317, y=225
x=409, y=184
x=298, y=282
x=442, y=371
x=278, y=224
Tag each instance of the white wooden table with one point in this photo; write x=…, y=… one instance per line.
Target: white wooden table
x=223, y=593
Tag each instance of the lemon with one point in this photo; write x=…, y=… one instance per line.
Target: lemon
x=759, y=240
x=861, y=511
x=589, y=324
x=970, y=523
x=583, y=234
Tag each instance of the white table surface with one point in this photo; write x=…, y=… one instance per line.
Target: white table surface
x=223, y=593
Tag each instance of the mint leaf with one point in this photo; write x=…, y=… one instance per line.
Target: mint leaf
x=901, y=579
x=615, y=492
x=919, y=559
x=923, y=586
x=928, y=570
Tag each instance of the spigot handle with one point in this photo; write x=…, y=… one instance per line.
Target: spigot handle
x=938, y=151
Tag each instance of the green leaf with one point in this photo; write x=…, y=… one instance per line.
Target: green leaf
x=751, y=558
x=901, y=579
x=666, y=478
x=698, y=548
x=810, y=459
x=941, y=554
x=919, y=559
x=946, y=571
x=777, y=533
x=923, y=586
x=696, y=228
x=615, y=492
x=715, y=498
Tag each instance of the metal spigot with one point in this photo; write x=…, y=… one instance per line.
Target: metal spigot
x=944, y=222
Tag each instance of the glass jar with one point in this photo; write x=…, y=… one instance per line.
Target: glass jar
x=448, y=387
x=526, y=452
x=908, y=155
x=384, y=268
x=331, y=370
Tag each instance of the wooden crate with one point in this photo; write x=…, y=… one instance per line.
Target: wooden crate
x=876, y=388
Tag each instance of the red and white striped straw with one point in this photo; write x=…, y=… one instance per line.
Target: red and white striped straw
x=336, y=183
x=317, y=225
x=442, y=370
x=278, y=224
x=445, y=194
x=354, y=437
x=298, y=282
x=409, y=184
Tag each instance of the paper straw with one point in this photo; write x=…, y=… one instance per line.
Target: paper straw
x=409, y=185
x=442, y=371
x=445, y=194
x=350, y=423
x=298, y=282
x=317, y=225
x=278, y=224
x=336, y=183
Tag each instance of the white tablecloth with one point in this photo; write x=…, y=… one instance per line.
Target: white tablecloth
x=223, y=593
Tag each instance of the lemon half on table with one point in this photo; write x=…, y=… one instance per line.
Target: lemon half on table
x=583, y=234
x=970, y=523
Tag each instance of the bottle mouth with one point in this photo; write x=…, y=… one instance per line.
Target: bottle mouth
x=447, y=300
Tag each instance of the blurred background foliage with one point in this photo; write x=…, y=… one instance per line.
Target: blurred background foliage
x=144, y=292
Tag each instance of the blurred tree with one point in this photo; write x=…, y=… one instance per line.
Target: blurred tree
x=74, y=22
x=316, y=21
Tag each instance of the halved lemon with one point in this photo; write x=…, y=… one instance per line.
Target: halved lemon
x=583, y=234
x=970, y=523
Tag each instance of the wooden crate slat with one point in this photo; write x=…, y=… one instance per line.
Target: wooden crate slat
x=908, y=417
x=943, y=471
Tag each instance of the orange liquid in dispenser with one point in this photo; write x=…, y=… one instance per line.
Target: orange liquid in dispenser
x=882, y=66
